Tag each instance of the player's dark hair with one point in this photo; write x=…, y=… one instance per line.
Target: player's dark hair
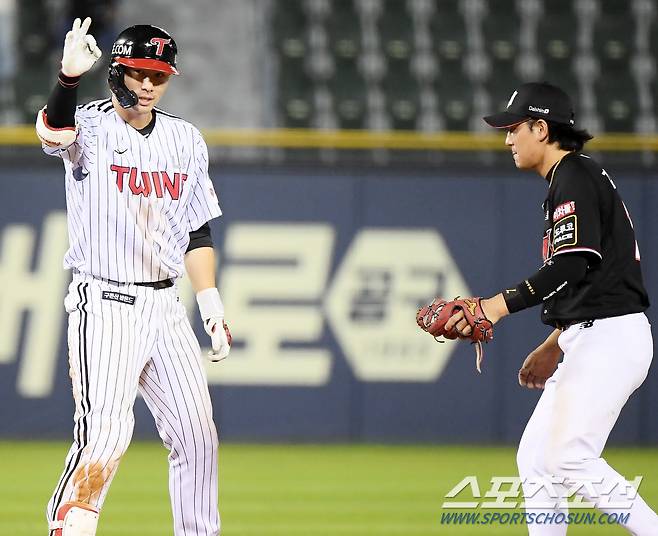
x=567, y=137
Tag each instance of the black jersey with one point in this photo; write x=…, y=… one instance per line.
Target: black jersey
x=583, y=213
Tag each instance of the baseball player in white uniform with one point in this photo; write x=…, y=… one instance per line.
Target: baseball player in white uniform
x=138, y=199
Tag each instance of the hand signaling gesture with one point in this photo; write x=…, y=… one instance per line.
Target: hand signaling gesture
x=80, y=49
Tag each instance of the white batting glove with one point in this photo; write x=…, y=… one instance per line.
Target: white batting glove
x=212, y=314
x=80, y=49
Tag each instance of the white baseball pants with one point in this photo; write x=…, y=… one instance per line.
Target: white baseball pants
x=603, y=364
x=125, y=338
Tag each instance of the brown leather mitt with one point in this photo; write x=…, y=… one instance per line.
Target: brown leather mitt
x=433, y=317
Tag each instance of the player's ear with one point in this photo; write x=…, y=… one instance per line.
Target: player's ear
x=540, y=129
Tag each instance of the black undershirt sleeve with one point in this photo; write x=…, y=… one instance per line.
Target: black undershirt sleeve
x=200, y=238
x=565, y=269
x=62, y=101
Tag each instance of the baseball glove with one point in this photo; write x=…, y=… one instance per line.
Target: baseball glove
x=433, y=317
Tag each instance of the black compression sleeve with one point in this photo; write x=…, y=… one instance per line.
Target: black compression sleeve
x=62, y=101
x=566, y=269
x=200, y=238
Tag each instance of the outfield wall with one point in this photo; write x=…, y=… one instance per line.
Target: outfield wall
x=321, y=272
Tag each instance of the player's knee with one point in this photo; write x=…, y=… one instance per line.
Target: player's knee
x=533, y=461
x=211, y=439
x=203, y=441
x=523, y=461
x=561, y=463
x=527, y=459
x=109, y=435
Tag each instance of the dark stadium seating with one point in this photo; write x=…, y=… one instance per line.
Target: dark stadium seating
x=344, y=31
x=401, y=93
x=34, y=74
x=557, y=45
x=617, y=103
x=613, y=42
x=296, y=99
x=448, y=34
x=467, y=51
x=455, y=101
x=295, y=86
x=349, y=90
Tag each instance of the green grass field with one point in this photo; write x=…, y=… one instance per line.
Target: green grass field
x=291, y=489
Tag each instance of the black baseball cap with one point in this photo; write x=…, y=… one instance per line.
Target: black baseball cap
x=539, y=100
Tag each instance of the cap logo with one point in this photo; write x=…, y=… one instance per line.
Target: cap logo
x=122, y=49
x=160, y=43
x=539, y=110
x=511, y=99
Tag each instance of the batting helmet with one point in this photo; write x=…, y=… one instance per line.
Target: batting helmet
x=142, y=47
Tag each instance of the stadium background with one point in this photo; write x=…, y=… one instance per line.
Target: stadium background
x=357, y=181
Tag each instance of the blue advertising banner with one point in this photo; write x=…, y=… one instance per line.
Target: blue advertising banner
x=321, y=272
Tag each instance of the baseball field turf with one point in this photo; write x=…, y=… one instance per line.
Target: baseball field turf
x=306, y=490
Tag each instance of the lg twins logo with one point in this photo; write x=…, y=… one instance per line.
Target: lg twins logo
x=159, y=42
x=145, y=182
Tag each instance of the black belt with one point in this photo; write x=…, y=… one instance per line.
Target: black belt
x=165, y=283
x=568, y=323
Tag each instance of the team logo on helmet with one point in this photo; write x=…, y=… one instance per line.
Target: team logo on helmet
x=160, y=43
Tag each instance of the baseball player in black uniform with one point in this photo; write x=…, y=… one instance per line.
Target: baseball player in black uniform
x=591, y=292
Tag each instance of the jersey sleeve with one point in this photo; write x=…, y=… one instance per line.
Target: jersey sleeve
x=576, y=217
x=203, y=204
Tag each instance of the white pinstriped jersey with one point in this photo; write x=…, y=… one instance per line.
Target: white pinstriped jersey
x=132, y=200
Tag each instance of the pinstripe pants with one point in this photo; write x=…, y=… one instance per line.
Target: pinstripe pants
x=125, y=338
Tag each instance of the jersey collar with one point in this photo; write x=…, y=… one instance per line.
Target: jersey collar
x=551, y=172
x=148, y=128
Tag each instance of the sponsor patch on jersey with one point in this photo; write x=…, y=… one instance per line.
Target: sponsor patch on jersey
x=565, y=232
x=117, y=296
x=564, y=210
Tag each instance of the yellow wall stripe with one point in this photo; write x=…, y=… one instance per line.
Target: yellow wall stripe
x=362, y=139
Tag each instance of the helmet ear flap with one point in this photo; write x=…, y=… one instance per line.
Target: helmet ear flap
x=126, y=97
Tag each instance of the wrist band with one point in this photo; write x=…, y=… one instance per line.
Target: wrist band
x=210, y=304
